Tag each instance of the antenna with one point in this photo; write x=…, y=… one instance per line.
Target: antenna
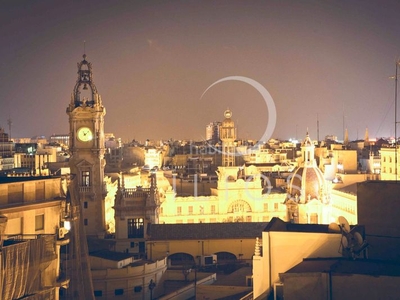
x=352, y=243
x=9, y=122
x=317, y=129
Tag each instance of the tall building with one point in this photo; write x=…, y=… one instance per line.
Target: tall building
x=62, y=139
x=212, y=132
x=228, y=137
x=7, y=150
x=86, y=145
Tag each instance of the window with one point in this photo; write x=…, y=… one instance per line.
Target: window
x=135, y=228
x=85, y=204
x=190, y=210
x=275, y=206
x=132, y=244
x=85, y=222
x=98, y=293
x=179, y=210
x=85, y=178
x=213, y=209
x=39, y=222
x=142, y=247
x=265, y=206
x=137, y=289
x=314, y=218
x=119, y=292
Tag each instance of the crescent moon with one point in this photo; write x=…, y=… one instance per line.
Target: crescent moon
x=267, y=98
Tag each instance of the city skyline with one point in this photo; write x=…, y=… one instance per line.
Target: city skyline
x=152, y=62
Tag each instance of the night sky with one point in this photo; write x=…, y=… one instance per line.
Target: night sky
x=152, y=61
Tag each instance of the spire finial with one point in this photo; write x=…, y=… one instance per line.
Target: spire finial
x=84, y=49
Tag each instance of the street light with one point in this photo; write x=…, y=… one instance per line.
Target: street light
x=152, y=285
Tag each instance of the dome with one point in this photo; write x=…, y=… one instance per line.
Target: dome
x=228, y=122
x=306, y=183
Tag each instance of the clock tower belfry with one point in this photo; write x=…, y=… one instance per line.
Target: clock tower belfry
x=86, y=145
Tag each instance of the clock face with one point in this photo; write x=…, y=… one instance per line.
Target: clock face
x=85, y=134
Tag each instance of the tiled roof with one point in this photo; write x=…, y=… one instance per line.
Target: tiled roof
x=206, y=231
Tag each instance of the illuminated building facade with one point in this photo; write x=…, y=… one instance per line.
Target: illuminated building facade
x=238, y=197
x=389, y=157
x=241, y=197
x=153, y=158
x=136, y=208
x=31, y=237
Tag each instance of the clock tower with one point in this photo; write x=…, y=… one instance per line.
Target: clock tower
x=228, y=137
x=86, y=145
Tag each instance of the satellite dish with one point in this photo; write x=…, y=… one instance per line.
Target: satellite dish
x=345, y=242
x=334, y=227
x=352, y=243
x=344, y=224
x=358, y=238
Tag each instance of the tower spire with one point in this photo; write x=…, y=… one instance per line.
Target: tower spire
x=84, y=83
x=366, y=137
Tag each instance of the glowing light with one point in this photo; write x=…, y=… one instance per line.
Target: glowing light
x=67, y=225
x=109, y=203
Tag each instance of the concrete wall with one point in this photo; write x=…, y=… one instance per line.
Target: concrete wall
x=109, y=280
x=283, y=250
x=159, y=249
x=318, y=286
x=29, y=191
x=378, y=208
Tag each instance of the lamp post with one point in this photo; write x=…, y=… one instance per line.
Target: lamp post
x=152, y=285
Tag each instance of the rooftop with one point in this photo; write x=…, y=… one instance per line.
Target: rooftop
x=111, y=255
x=347, y=266
x=277, y=224
x=206, y=231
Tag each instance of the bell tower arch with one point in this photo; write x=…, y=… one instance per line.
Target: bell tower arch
x=87, y=148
